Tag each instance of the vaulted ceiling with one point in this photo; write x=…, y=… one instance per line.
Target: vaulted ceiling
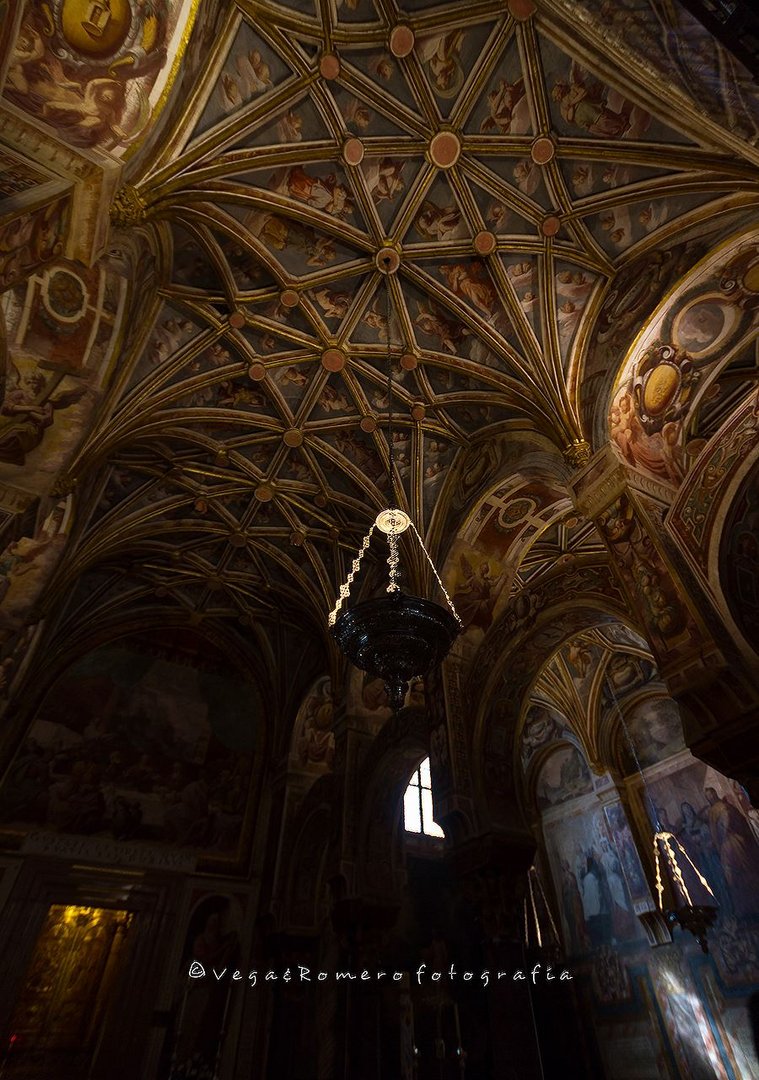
x=462, y=185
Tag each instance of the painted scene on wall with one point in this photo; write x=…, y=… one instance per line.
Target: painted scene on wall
x=140, y=741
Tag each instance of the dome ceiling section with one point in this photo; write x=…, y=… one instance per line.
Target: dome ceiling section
x=487, y=160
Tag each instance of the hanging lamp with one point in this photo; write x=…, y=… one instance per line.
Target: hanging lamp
x=397, y=637
x=674, y=899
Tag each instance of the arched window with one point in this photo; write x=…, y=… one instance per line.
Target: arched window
x=417, y=803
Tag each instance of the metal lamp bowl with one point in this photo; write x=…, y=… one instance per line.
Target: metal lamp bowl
x=396, y=638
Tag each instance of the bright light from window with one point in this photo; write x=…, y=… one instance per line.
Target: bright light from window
x=417, y=803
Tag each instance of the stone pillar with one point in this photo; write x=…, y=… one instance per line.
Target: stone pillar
x=490, y=872
x=452, y=787
x=718, y=697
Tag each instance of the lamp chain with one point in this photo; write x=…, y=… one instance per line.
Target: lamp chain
x=437, y=577
x=635, y=757
x=390, y=443
x=345, y=588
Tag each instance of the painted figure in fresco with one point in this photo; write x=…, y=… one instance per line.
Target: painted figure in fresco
x=659, y=452
x=439, y=222
x=622, y=918
x=384, y=179
x=596, y=899
x=574, y=912
x=579, y=656
x=202, y=1012
x=527, y=176
x=695, y=835
x=508, y=108
x=254, y=72
x=290, y=127
x=167, y=338
x=280, y=234
x=333, y=304
x=374, y=317
x=475, y=597
x=738, y=851
x=430, y=321
x=597, y=109
x=441, y=56
x=88, y=114
x=540, y=728
x=471, y=282
x=321, y=192
x=358, y=116
x=316, y=746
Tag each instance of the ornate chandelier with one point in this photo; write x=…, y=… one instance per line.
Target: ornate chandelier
x=673, y=896
x=398, y=637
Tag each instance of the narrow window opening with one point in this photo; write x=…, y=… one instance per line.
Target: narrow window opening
x=417, y=804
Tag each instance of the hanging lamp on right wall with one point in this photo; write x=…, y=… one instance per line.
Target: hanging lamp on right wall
x=672, y=863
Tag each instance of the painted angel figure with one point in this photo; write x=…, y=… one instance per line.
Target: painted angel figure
x=439, y=222
x=598, y=109
x=433, y=324
x=573, y=284
x=384, y=179
x=509, y=109
x=30, y=409
x=254, y=72
x=471, y=283
x=441, y=56
x=475, y=598
x=321, y=192
x=333, y=304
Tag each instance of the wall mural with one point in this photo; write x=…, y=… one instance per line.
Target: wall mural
x=597, y=908
x=739, y=557
x=30, y=239
x=313, y=744
x=140, y=741
x=63, y=327
x=710, y=315
x=700, y=1028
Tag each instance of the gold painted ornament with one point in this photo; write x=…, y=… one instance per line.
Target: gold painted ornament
x=96, y=28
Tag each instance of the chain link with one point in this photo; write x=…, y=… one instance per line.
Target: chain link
x=437, y=577
x=345, y=588
x=666, y=839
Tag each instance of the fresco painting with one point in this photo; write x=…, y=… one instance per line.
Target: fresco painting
x=313, y=746
x=32, y=238
x=564, y=776
x=92, y=71
x=714, y=312
x=702, y=809
x=62, y=327
x=595, y=903
x=140, y=741
x=655, y=729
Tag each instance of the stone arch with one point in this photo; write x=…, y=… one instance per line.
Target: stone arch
x=691, y=336
x=532, y=641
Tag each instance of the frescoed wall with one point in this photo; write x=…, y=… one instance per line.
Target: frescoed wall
x=672, y=1010
x=711, y=316
x=313, y=743
x=150, y=741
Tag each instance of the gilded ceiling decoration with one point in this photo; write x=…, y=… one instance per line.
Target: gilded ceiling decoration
x=513, y=171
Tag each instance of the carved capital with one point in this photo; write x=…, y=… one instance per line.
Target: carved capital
x=577, y=453
x=128, y=207
x=64, y=486
x=599, y=483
